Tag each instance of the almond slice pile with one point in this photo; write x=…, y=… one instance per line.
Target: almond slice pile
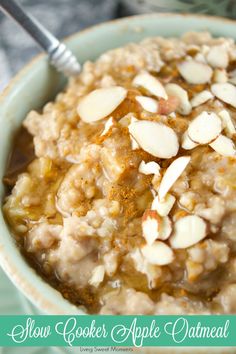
x=227, y=122
x=175, y=90
x=187, y=143
x=226, y=92
x=109, y=123
x=201, y=98
x=218, y=57
x=151, y=222
x=155, y=138
x=147, y=103
x=99, y=103
x=149, y=168
x=163, y=207
x=171, y=175
x=224, y=146
x=151, y=84
x=205, y=128
x=195, y=72
x=188, y=231
x=158, y=253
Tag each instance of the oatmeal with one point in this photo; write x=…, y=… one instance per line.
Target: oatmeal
x=127, y=204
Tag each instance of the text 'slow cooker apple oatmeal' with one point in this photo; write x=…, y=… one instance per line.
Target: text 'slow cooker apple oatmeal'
x=128, y=205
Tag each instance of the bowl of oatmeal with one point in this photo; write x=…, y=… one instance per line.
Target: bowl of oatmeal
x=118, y=188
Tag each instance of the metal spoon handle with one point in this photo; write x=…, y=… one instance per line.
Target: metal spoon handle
x=59, y=55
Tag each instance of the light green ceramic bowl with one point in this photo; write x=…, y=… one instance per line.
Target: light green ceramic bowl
x=37, y=83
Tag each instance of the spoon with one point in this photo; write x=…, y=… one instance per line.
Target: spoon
x=59, y=55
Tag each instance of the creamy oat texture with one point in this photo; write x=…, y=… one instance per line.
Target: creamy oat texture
x=130, y=202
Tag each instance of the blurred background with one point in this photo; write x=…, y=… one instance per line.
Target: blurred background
x=64, y=17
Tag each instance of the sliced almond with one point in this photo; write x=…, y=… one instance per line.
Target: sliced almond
x=158, y=253
x=218, y=57
x=225, y=92
x=140, y=262
x=201, y=98
x=195, y=72
x=205, y=128
x=148, y=103
x=188, y=231
x=163, y=207
x=134, y=144
x=99, y=103
x=224, y=146
x=153, y=192
x=151, y=226
x=142, y=266
x=149, y=168
x=220, y=76
x=188, y=200
x=205, y=49
x=200, y=57
x=166, y=107
x=156, y=180
x=177, y=91
x=109, y=123
x=151, y=84
x=155, y=138
x=97, y=277
x=133, y=119
x=187, y=143
x=171, y=175
x=227, y=122
x=165, y=228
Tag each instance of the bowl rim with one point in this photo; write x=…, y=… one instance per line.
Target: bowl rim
x=34, y=293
